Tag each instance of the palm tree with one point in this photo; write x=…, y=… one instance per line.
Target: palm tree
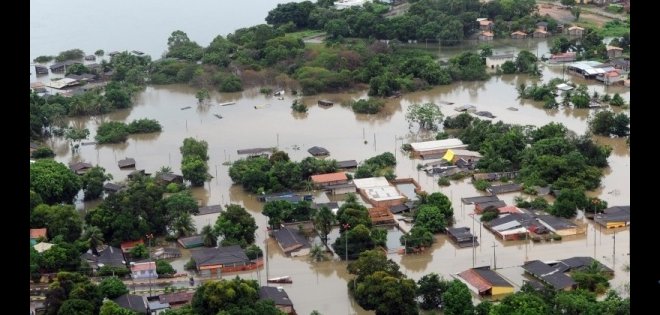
x=94, y=238
x=316, y=253
x=183, y=225
x=210, y=240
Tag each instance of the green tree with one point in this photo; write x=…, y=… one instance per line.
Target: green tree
x=94, y=238
x=76, y=307
x=525, y=61
x=431, y=218
x=112, y=287
x=567, y=203
x=144, y=125
x=358, y=239
x=460, y=121
x=53, y=181
x=71, y=54
x=591, y=278
x=317, y=253
x=111, y=308
x=194, y=147
x=111, y=132
x=209, y=237
x=620, y=125
x=213, y=296
x=163, y=268
x=509, y=67
x=183, y=225
x=486, y=51
x=195, y=170
x=617, y=100
x=427, y=115
x=387, y=294
x=601, y=123
x=253, y=252
x=201, y=95
x=61, y=220
x=457, y=299
x=277, y=211
x=43, y=152
x=324, y=220
x=180, y=203
x=236, y=226
x=418, y=237
x=92, y=182
x=352, y=214
x=139, y=251
x=430, y=288
x=371, y=261
x=483, y=308
x=520, y=303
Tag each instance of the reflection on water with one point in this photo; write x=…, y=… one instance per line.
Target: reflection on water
x=322, y=286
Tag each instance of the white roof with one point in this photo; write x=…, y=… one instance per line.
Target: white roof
x=564, y=87
x=437, y=144
x=42, y=247
x=383, y=193
x=514, y=231
x=506, y=226
x=61, y=83
x=363, y=183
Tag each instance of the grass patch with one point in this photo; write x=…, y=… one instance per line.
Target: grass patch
x=614, y=29
x=305, y=33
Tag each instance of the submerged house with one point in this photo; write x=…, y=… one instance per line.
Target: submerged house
x=211, y=262
x=575, y=31
x=381, y=216
x=347, y=165
x=486, y=282
x=80, y=168
x=191, y=241
x=144, y=270
x=168, y=178
x=279, y=297
x=560, y=226
x=135, y=303
x=107, y=256
x=318, y=151
x=435, y=148
x=518, y=35
x=292, y=242
x=614, y=217
x=462, y=237
x=552, y=276
x=379, y=192
x=336, y=183
x=126, y=163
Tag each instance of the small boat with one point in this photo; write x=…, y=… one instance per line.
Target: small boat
x=216, y=115
x=184, y=108
x=228, y=103
x=285, y=279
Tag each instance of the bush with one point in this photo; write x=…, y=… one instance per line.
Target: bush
x=406, y=147
x=458, y=176
x=443, y=181
x=266, y=91
x=253, y=252
x=460, y=121
x=172, y=188
x=489, y=215
x=163, y=268
x=556, y=237
x=116, y=271
x=111, y=132
x=144, y=125
x=370, y=106
x=298, y=107
x=43, y=152
x=481, y=184
x=190, y=265
x=44, y=59
x=441, y=136
x=71, y=54
x=99, y=52
x=617, y=100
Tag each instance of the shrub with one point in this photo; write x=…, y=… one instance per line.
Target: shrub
x=298, y=107
x=556, y=237
x=481, y=184
x=44, y=59
x=111, y=132
x=99, y=52
x=144, y=125
x=116, y=271
x=71, y=54
x=443, y=181
x=489, y=215
x=43, y=152
x=190, y=265
x=370, y=106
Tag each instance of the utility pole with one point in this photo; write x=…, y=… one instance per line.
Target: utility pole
x=266, y=244
x=346, y=227
x=494, y=257
x=614, y=251
x=150, y=236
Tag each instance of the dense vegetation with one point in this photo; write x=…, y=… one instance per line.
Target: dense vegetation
x=379, y=165
x=278, y=173
x=117, y=132
x=368, y=106
x=194, y=163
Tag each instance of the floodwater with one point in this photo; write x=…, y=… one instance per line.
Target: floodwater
x=141, y=25
x=317, y=285
x=322, y=285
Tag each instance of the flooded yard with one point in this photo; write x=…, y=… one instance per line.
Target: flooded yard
x=256, y=120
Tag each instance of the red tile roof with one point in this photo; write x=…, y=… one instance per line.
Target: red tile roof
x=126, y=246
x=509, y=209
x=487, y=33
x=475, y=280
x=330, y=177
x=37, y=233
x=143, y=266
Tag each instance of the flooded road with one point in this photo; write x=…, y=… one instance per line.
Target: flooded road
x=263, y=121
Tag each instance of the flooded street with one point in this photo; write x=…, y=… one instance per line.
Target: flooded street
x=322, y=285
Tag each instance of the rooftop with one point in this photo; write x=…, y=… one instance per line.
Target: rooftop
x=330, y=177
x=210, y=209
x=219, y=256
x=362, y=183
x=479, y=199
x=347, y=164
x=37, y=233
x=290, y=237
x=383, y=193
x=618, y=213
x=135, y=267
x=437, y=145
x=556, y=223
x=278, y=295
x=255, y=151
x=132, y=302
x=318, y=151
x=176, y=298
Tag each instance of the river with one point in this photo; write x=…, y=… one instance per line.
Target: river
x=322, y=286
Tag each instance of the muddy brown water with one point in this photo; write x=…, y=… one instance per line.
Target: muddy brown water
x=322, y=286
